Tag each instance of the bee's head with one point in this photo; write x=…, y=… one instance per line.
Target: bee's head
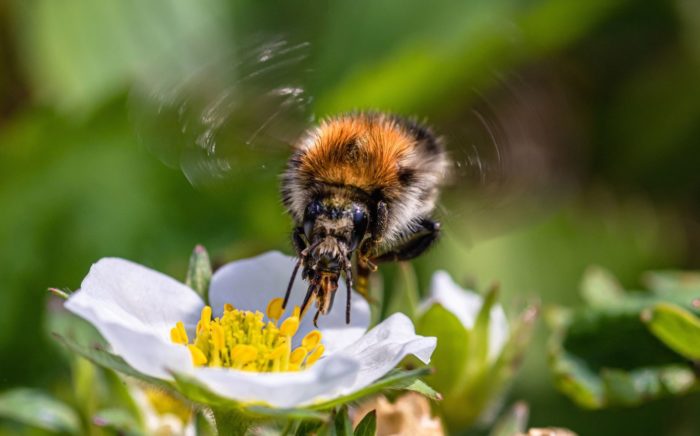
x=344, y=221
x=333, y=229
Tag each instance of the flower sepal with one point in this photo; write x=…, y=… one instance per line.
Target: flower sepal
x=81, y=338
x=198, y=393
x=479, y=351
x=199, y=272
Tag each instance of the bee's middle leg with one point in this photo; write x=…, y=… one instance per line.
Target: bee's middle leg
x=364, y=268
x=364, y=265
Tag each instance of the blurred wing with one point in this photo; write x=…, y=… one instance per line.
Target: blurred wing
x=234, y=117
x=515, y=156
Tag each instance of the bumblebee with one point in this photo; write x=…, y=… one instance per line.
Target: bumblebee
x=363, y=184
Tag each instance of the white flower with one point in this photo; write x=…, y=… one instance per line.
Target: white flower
x=163, y=415
x=135, y=308
x=465, y=305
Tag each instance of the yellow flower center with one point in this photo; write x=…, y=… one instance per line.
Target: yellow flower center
x=241, y=339
x=164, y=403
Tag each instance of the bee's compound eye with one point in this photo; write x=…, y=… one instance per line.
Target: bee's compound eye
x=313, y=210
x=360, y=223
x=359, y=219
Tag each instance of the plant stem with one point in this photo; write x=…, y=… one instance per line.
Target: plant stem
x=230, y=421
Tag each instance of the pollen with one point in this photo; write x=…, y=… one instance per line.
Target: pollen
x=246, y=341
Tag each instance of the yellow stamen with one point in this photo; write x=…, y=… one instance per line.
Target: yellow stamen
x=274, y=309
x=311, y=339
x=298, y=355
x=163, y=403
x=178, y=334
x=317, y=353
x=244, y=340
x=290, y=326
x=205, y=318
x=198, y=357
x=243, y=355
x=217, y=336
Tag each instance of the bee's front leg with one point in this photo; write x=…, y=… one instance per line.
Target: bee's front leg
x=300, y=247
x=299, y=240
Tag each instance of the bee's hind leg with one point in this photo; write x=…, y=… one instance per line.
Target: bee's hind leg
x=414, y=245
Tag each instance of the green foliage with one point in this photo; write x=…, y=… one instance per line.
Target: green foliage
x=452, y=351
x=512, y=422
x=609, y=353
x=126, y=43
x=118, y=420
x=368, y=425
x=37, y=409
x=404, y=294
x=75, y=186
x=676, y=327
x=470, y=381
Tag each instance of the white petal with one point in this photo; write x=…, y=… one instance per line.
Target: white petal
x=325, y=380
x=465, y=305
x=123, y=292
x=250, y=284
x=383, y=347
x=147, y=353
x=134, y=308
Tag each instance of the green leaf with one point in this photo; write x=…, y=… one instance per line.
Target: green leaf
x=405, y=295
x=631, y=350
x=513, y=422
x=620, y=387
x=368, y=425
x=199, y=393
x=97, y=354
x=118, y=419
x=86, y=385
x=203, y=425
x=66, y=72
x=422, y=388
x=308, y=427
x=452, y=352
x=397, y=379
x=676, y=327
x=479, y=335
x=513, y=352
x=60, y=293
x=665, y=282
x=342, y=423
x=199, y=272
x=600, y=288
x=578, y=381
x=37, y=409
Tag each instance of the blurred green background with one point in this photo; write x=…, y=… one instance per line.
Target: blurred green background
x=594, y=104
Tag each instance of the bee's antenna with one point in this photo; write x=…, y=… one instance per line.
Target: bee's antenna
x=291, y=283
